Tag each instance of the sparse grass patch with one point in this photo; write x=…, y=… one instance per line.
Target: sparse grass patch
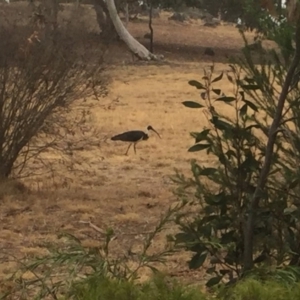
x=78, y=261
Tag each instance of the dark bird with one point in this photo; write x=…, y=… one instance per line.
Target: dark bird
x=133, y=137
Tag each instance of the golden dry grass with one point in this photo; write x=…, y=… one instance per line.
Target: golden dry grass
x=128, y=193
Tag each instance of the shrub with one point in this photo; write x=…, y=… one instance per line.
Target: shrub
x=41, y=76
x=247, y=202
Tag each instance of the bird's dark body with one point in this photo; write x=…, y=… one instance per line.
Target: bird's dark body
x=132, y=136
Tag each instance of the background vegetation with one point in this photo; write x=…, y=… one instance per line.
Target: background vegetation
x=234, y=216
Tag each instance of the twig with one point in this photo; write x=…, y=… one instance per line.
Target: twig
x=96, y=228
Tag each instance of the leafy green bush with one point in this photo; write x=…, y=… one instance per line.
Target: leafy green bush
x=245, y=204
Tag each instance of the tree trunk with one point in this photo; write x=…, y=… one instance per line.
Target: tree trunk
x=134, y=46
x=150, y=26
x=106, y=26
x=5, y=168
x=293, y=8
x=51, y=8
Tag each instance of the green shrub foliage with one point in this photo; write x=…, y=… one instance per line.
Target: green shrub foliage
x=220, y=192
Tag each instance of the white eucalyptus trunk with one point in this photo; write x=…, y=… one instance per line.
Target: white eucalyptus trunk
x=134, y=46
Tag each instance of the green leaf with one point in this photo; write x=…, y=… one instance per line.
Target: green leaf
x=197, y=84
x=213, y=281
x=198, y=247
x=260, y=258
x=222, y=125
x=293, y=184
x=292, y=240
x=275, y=171
x=249, y=80
x=211, y=270
x=217, y=91
x=229, y=78
x=222, y=159
x=251, y=105
x=250, y=164
x=230, y=258
x=243, y=110
x=197, y=261
x=194, y=134
x=224, y=271
x=222, y=224
x=200, y=136
x=230, y=153
x=183, y=237
x=208, y=171
x=232, y=67
x=195, y=169
x=206, y=231
x=192, y=104
x=209, y=210
x=207, y=219
x=218, y=78
x=228, y=237
x=289, y=210
x=223, y=210
x=252, y=87
x=198, y=147
x=226, y=99
x=218, y=199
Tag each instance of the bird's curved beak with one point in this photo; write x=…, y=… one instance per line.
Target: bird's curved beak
x=156, y=132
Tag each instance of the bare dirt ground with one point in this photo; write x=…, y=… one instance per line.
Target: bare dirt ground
x=128, y=193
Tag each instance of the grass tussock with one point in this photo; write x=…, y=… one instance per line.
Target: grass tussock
x=157, y=288
x=164, y=288
x=252, y=289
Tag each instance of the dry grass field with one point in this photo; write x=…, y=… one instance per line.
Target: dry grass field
x=128, y=193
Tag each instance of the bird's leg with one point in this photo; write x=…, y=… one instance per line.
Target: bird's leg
x=128, y=148
x=134, y=147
